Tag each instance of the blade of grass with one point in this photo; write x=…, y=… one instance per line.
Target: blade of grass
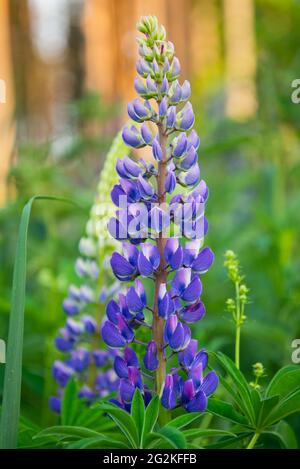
x=13, y=368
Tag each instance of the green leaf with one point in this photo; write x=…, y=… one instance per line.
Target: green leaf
x=240, y=383
x=138, y=414
x=228, y=442
x=172, y=436
x=200, y=433
x=151, y=416
x=70, y=403
x=124, y=421
x=184, y=420
x=226, y=411
x=267, y=404
x=285, y=434
x=63, y=431
x=286, y=381
x=285, y=407
x=13, y=369
x=98, y=443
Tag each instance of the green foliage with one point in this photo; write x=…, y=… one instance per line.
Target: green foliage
x=255, y=414
x=13, y=368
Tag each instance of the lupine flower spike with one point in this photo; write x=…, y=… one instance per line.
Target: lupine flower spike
x=162, y=238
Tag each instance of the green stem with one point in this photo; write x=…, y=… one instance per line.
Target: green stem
x=237, y=346
x=253, y=441
x=238, y=327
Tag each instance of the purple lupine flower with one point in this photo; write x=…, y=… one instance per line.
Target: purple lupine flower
x=62, y=373
x=150, y=358
x=175, y=263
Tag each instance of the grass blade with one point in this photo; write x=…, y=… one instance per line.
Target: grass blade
x=13, y=369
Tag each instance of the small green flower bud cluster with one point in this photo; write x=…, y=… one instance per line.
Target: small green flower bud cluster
x=258, y=372
x=232, y=265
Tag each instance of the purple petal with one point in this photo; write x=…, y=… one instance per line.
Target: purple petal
x=198, y=404
x=120, y=367
x=144, y=265
x=130, y=138
x=112, y=336
x=150, y=358
x=187, y=356
x=203, y=261
x=193, y=313
x=126, y=391
x=133, y=300
x=146, y=133
x=193, y=291
x=188, y=391
x=181, y=280
x=121, y=267
x=210, y=383
x=156, y=150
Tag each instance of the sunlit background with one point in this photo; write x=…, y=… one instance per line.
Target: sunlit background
x=68, y=68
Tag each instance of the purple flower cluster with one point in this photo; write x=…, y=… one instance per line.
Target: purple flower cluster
x=175, y=263
x=79, y=339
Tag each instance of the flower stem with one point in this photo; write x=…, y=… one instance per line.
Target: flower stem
x=161, y=274
x=238, y=327
x=253, y=441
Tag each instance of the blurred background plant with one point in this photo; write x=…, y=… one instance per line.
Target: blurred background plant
x=68, y=65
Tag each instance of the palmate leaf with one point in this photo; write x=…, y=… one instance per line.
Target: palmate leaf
x=285, y=407
x=70, y=404
x=98, y=443
x=184, y=420
x=13, y=368
x=230, y=441
x=124, y=422
x=68, y=432
x=284, y=433
x=226, y=411
x=138, y=414
x=166, y=437
x=240, y=383
x=286, y=381
x=267, y=404
x=151, y=416
x=207, y=432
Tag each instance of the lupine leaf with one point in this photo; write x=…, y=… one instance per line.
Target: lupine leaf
x=138, y=413
x=286, y=381
x=226, y=411
x=240, y=383
x=124, y=421
x=285, y=407
x=184, y=420
x=70, y=404
x=98, y=443
x=285, y=434
x=227, y=442
x=151, y=416
x=13, y=368
x=267, y=405
x=172, y=436
x=199, y=433
x=68, y=431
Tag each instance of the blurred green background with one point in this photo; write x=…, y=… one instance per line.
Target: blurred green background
x=69, y=94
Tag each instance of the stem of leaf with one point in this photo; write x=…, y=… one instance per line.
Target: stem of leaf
x=253, y=441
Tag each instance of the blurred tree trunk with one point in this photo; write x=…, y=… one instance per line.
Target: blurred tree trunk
x=205, y=44
x=110, y=40
x=7, y=131
x=240, y=58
